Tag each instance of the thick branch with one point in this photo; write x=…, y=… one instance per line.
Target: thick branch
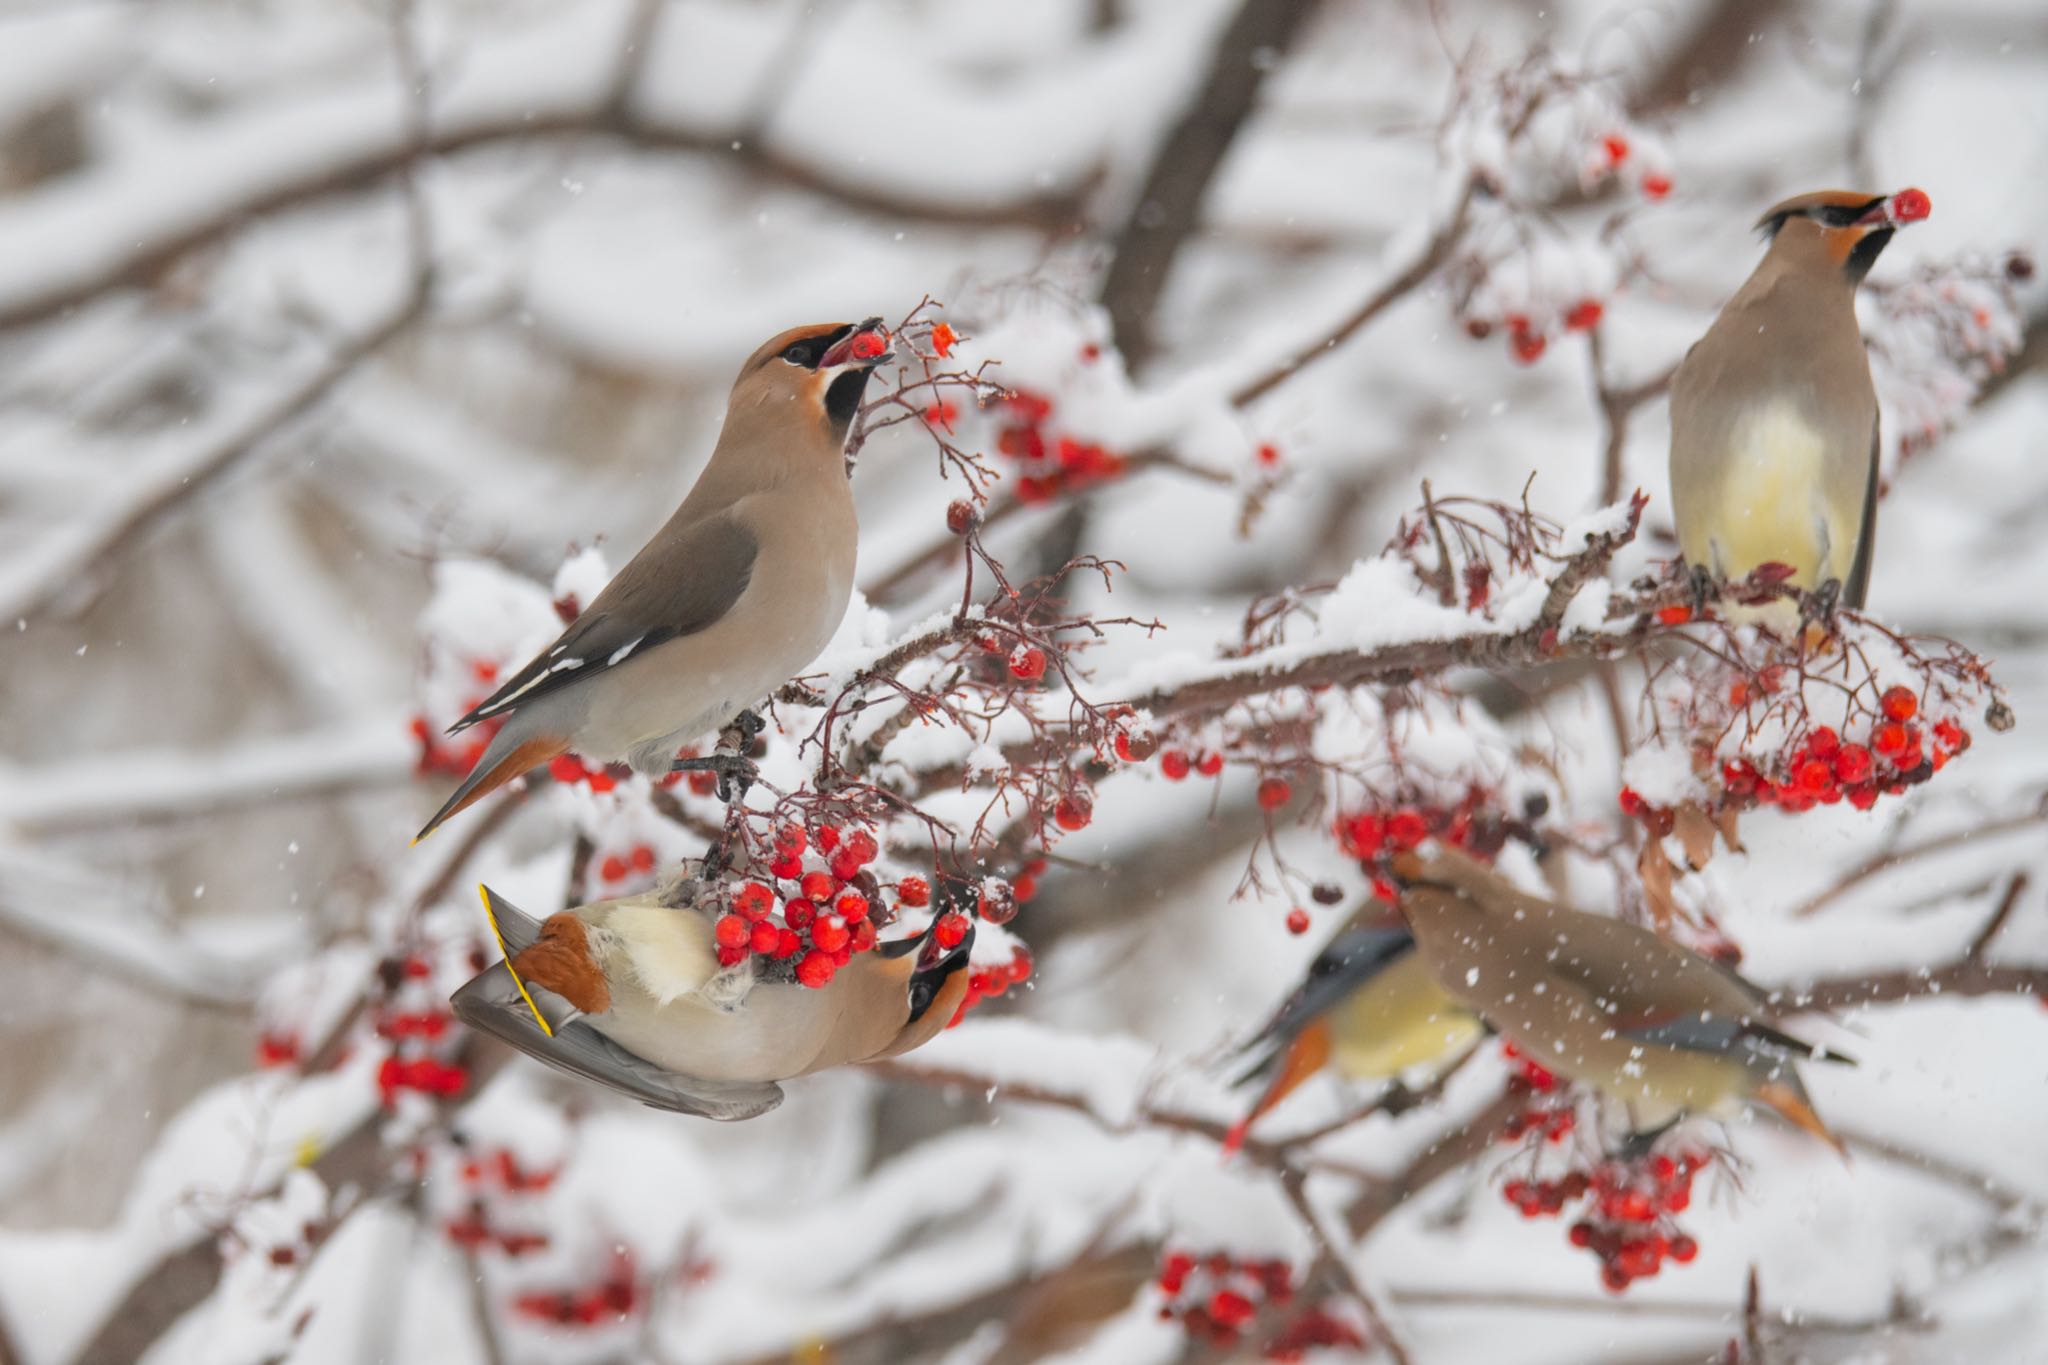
x=1166, y=207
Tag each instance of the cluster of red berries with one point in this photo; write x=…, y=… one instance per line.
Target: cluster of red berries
x=636, y=861
x=612, y=1299
x=413, y=1035
x=1372, y=836
x=454, y=755
x=497, y=1171
x=1049, y=467
x=1626, y=1219
x=1615, y=149
x=1176, y=764
x=1896, y=750
x=817, y=908
x=427, y=1074
x=992, y=980
x=1313, y=1330
x=277, y=1048
x=1216, y=1297
x=1527, y=339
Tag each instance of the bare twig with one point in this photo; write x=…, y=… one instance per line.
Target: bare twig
x=1884, y=861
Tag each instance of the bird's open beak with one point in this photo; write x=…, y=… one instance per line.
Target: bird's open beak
x=867, y=346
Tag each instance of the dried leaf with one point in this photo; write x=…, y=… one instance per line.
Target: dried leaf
x=1696, y=833
x=1654, y=866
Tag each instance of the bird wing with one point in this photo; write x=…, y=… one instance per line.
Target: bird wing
x=704, y=567
x=1722, y=1035
x=491, y=1003
x=1857, y=588
x=1354, y=957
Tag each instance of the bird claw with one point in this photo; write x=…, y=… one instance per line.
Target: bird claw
x=1819, y=607
x=736, y=773
x=1704, y=589
x=749, y=725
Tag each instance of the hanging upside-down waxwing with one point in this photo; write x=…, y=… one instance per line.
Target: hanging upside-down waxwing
x=1646, y=1022
x=1774, y=451
x=629, y=993
x=1368, y=1006
x=733, y=597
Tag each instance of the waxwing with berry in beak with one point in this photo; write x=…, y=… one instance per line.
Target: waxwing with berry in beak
x=1655, y=1027
x=1773, y=414
x=629, y=993
x=733, y=597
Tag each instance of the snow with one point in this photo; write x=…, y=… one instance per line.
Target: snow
x=208, y=774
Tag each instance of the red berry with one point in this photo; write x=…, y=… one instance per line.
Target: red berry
x=1406, y=828
x=950, y=929
x=1815, y=776
x=845, y=865
x=642, y=859
x=1274, y=793
x=1073, y=811
x=943, y=338
x=851, y=907
x=1889, y=740
x=1584, y=314
x=1028, y=662
x=826, y=837
x=790, y=840
x=766, y=937
x=1616, y=147
x=788, y=944
x=814, y=968
x=1683, y=1249
x=786, y=869
x=830, y=934
x=1656, y=186
x=868, y=345
x=733, y=931
x=730, y=957
x=613, y=868
x=1209, y=764
x=961, y=517
x=798, y=914
x=818, y=886
x=863, y=847
x=1909, y=206
x=1674, y=615
x=914, y=891
x=1297, y=921
x=1528, y=347
x=1898, y=703
x=1267, y=454
x=1852, y=764
x=753, y=900
x=566, y=768
x=1173, y=764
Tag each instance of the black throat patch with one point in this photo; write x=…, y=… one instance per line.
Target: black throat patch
x=842, y=399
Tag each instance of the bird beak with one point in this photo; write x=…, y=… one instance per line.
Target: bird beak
x=1907, y=206
x=865, y=347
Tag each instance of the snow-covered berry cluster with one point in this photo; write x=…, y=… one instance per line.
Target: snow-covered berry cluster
x=1626, y=1211
x=818, y=906
x=1216, y=1296
x=986, y=981
x=496, y=1186
x=1375, y=834
x=613, y=1297
x=1049, y=462
x=1938, y=336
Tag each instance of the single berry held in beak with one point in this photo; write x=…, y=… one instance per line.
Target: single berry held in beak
x=1908, y=206
x=867, y=344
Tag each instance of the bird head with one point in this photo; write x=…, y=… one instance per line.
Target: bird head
x=822, y=369
x=934, y=982
x=1842, y=229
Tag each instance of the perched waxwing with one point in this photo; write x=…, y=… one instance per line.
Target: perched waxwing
x=733, y=597
x=1369, y=1006
x=629, y=993
x=1773, y=415
x=1652, y=1025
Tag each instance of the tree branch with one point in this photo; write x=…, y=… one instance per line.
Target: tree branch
x=1164, y=212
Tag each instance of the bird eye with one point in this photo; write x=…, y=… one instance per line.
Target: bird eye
x=797, y=355
x=921, y=995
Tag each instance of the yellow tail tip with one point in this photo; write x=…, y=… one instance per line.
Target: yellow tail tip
x=483, y=893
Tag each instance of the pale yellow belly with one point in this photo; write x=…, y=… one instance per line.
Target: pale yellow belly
x=1771, y=505
x=1401, y=1018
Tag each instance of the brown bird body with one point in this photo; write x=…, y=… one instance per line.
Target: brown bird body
x=736, y=594
x=641, y=973
x=1774, y=419
x=1660, y=1029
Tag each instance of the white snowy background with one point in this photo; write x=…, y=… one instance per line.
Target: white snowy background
x=308, y=309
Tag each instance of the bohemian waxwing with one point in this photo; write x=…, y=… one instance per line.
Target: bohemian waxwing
x=732, y=598
x=1773, y=416
x=1652, y=1025
x=1368, y=1005
x=629, y=993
